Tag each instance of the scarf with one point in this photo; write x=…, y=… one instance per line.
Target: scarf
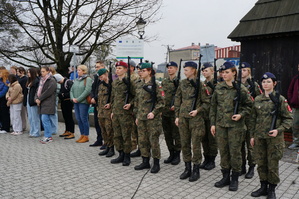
x=41, y=84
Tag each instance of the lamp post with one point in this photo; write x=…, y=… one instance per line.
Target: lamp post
x=140, y=26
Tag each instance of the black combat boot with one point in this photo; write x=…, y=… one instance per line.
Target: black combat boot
x=205, y=162
x=135, y=154
x=250, y=172
x=195, y=173
x=127, y=159
x=243, y=170
x=271, y=191
x=104, y=152
x=233, y=186
x=263, y=191
x=156, y=166
x=119, y=159
x=225, y=179
x=177, y=158
x=187, y=172
x=170, y=157
x=211, y=163
x=110, y=152
x=144, y=165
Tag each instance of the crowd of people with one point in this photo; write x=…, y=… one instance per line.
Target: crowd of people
x=131, y=110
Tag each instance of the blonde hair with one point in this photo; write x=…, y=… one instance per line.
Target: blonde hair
x=5, y=74
x=52, y=70
x=83, y=68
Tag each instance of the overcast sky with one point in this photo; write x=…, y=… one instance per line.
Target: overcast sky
x=194, y=21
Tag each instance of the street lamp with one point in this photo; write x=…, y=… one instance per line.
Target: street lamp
x=140, y=26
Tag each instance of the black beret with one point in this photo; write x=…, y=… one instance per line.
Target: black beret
x=172, y=63
x=190, y=64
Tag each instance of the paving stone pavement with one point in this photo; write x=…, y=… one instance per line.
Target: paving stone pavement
x=65, y=169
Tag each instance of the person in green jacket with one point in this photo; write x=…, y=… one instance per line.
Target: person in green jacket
x=229, y=128
x=268, y=143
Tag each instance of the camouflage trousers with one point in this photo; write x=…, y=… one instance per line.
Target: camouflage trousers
x=250, y=151
x=122, y=127
x=268, y=153
x=209, y=143
x=191, y=131
x=148, y=137
x=107, y=131
x=171, y=133
x=295, y=126
x=229, y=141
x=134, y=135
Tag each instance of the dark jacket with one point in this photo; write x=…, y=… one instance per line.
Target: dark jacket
x=293, y=95
x=22, y=81
x=31, y=92
x=48, y=97
x=64, y=93
x=3, y=91
x=95, y=88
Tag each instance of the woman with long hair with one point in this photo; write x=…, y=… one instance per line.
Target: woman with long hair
x=4, y=113
x=32, y=108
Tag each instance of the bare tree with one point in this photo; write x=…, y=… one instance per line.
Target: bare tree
x=46, y=28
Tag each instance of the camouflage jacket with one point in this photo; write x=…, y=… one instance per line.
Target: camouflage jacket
x=169, y=92
x=138, y=87
x=261, y=117
x=118, y=97
x=102, y=101
x=222, y=105
x=134, y=77
x=209, y=93
x=183, y=100
x=143, y=106
x=256, y=87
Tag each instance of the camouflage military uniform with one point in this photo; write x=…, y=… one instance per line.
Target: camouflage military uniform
x=104, y=116
x=149, y=130
x=250, y=152
x=135, y=79
x=191, y=128
x=269, y=150
x=229, y=134
x=171, y=131
x=209, y=143
x=122, y=120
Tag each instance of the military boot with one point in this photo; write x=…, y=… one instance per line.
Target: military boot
x=177, y=158
x=211, y=164
x=187, y=172
x=156, y=166
x=144, y=165
x=225, y=179
x=104, y=152
x=127, y=159
x=170, y=157
x=110, y=152
x=135, y=154
x=271, y=191
x=243, y=170
x=205, y=162
x=263, y=191
x=250, y=172
x=119, y=159
x=233, y=186
x=195, y=173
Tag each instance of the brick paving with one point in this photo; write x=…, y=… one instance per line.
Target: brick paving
x=65, y=169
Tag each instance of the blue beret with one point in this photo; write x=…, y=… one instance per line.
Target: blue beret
x=102, y=71
x=145, y=65
x=172, y=63
x=268, y=75
x=206, y=65
x=190, y=64
x=245, y=65
x=226, y=65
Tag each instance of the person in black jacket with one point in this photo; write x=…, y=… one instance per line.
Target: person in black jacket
x=94, y=100
x=66, y=106
x=22, y=79
x=32, y=109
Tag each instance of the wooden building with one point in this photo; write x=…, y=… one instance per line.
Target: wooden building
x=270, y=31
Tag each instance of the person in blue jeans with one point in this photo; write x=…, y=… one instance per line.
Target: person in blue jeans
x=79, y=91
x=45, y=98
x=32, y=108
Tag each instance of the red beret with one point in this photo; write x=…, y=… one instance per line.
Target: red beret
x=121, y=63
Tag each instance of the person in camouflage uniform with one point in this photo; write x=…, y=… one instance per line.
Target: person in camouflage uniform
x=268, y=144
x=190, y=122
x=104, y=113
x=229, y=128
x=209, y=143
x=149, y=119
x=171, y=131
x=246, y=81
x=135, y=79
x=122, y=118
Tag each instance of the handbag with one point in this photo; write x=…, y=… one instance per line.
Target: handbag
x=88, y=97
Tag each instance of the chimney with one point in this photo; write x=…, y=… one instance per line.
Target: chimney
x=192, y=44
